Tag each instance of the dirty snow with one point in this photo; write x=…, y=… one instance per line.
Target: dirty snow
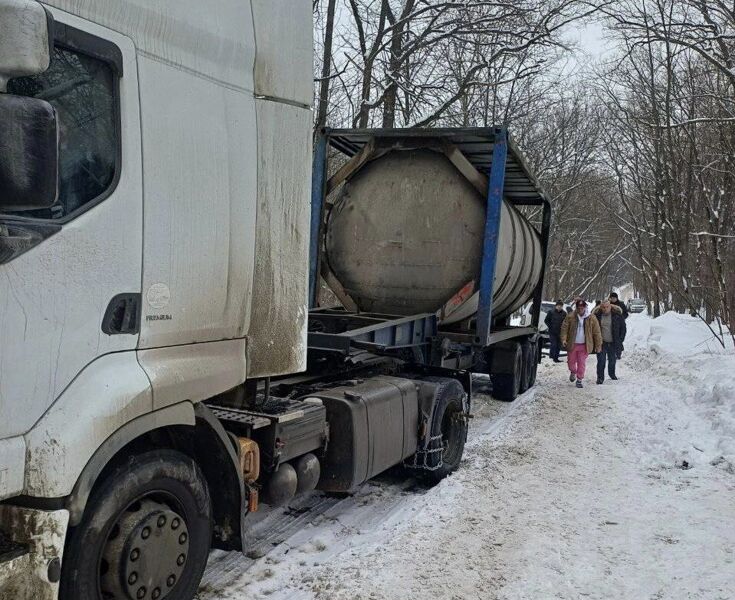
x=625, y=490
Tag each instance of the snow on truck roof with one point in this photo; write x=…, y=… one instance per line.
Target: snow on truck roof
x=477, y=144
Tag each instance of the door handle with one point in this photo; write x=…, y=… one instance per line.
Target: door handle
x=122, y=316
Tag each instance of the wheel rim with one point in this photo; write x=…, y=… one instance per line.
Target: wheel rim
x=145, y=552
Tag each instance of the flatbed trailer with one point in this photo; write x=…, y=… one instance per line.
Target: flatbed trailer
x=509, y=354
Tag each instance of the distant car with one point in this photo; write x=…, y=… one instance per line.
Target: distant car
x=637, y=305
x=546, y=306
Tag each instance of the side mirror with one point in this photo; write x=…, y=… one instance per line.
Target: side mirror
x=25, y=39
x=29, y=146
x=29, y=153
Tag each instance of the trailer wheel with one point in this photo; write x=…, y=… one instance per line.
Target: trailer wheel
x=145, y=533
x=450, y=422
x=529, y=355
x=507, y=372
x=536, y=359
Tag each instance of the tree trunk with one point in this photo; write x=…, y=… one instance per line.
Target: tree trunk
x=321, y=120
x=396, y=48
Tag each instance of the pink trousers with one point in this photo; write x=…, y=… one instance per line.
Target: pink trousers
x=577, y=359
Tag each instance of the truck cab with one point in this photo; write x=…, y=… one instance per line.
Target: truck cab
x=154, y=187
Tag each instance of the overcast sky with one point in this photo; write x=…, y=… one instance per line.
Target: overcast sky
x=589, y=36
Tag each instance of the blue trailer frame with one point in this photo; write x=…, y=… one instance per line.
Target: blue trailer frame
x=492, y=153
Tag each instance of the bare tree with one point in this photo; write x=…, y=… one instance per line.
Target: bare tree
x=671, y=146
x=419, y=62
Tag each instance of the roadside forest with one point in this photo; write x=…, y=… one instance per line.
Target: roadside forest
x=635, y=146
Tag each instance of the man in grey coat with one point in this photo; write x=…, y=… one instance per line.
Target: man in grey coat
x=612, y=326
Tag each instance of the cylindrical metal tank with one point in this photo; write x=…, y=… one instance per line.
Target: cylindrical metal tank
x=405, y=236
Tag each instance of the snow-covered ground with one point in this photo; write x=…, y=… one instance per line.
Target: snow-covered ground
x=625, y=490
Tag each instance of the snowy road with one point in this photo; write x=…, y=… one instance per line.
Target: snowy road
x=625, y=490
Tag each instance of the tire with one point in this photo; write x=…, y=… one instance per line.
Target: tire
x=534, y=368
x=527, y=350
x=449, y=421
x=156, y=504
x=507, y=380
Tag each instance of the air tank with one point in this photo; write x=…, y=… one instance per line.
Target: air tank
x=405, y=236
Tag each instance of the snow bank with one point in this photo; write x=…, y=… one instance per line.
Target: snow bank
x=674, y=333
x=682, y=352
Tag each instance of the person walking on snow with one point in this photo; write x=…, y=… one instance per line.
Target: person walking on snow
x=615, y=301
x=612, y=327
x=554, y=318
x=581, y=336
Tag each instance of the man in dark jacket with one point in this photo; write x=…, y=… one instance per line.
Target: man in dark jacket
x=612, y=326
x=615, y=301
x=554, y=318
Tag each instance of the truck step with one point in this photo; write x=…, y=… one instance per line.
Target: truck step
x=299, y=426
x=244, y=417
x=275, y=410
x=10, y=550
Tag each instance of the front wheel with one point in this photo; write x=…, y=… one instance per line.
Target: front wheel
x=145, y=534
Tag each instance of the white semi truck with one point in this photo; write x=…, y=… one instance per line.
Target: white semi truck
x=161, y=374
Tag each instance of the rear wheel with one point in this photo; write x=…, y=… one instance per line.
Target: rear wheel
x=536, y=359
x=527, y=350
x=531, y=354
x=145, y=534
x=450, y=422
x=507, y=372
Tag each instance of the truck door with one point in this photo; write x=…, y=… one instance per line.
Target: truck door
x=80, y=259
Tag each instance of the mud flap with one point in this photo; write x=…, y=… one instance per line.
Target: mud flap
x=33, y=571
